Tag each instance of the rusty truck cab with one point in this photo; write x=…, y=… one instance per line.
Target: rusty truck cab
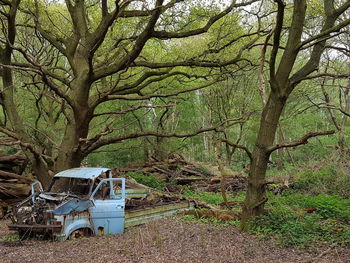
x=90, y=202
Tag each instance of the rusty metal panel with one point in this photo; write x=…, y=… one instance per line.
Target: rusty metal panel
x=141, y=216
x=74, y=205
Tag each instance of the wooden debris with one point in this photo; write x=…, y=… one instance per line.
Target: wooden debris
x=230, y=204
x=172, y=188
x=189, y=179
x=12, y=184
x=153, y=199
x=199, y=176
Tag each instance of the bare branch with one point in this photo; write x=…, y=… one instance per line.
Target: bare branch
x=301, y=141
x=198, y=63
x=94, y=145
x=25, y=145
x=262, y=87
x=167, y=35
x=233, y=144
x=325, y=34
x=322, y=75
x=134, y=109
x=149, y=96
x=312, y=64
x=44, y=78
x=143, y=13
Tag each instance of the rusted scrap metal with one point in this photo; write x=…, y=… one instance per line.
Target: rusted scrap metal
x=136, y=217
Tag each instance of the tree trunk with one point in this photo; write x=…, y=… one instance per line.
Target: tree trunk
x=40, y=168
x=71, y=154
x=256, y=196
x=342, y=136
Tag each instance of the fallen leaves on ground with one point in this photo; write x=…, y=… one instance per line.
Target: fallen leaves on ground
x=170, y=240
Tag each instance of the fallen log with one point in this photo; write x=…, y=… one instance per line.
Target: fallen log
x=20, y=178
x=17, y=157
x=165, y=171
x=13, y=190
x=192, y=172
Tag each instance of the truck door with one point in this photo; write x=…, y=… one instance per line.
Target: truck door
x=107, y=212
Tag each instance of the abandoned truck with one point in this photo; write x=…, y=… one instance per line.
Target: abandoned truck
x=93, y=202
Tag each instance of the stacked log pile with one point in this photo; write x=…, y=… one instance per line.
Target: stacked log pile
x=13, y=185
x=199, y=176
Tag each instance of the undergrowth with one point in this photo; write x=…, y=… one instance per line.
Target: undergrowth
x=327, y=180
x=315, y=211
x=304, y=220
x=212, y=198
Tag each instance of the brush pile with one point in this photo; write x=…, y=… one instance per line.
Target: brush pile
x=177, y=172
x=13, y=185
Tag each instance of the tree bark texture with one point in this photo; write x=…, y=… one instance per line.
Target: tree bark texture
x=256, y=195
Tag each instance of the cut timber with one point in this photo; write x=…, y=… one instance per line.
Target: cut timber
x=9, y=175
x=17, y=157
x=14, y=190
x=193, y=171
x=12, y=184
x=165, y=171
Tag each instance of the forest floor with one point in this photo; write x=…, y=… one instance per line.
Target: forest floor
x=173, y=239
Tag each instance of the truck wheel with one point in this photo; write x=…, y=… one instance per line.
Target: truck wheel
x=79, y=233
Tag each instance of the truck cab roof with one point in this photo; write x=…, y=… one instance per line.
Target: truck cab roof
x=83, y=173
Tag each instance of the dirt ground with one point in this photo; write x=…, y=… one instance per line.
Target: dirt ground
x=168, y=240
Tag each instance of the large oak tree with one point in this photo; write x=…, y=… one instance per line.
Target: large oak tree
x=285, y=74
x=80, y=56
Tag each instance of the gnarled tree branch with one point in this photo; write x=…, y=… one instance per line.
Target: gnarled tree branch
x=301, y=141
x=239, y=147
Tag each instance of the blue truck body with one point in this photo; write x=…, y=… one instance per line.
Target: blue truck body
x=70, y=214
x=92, y=202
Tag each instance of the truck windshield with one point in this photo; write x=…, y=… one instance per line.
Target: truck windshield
x=76, y=186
